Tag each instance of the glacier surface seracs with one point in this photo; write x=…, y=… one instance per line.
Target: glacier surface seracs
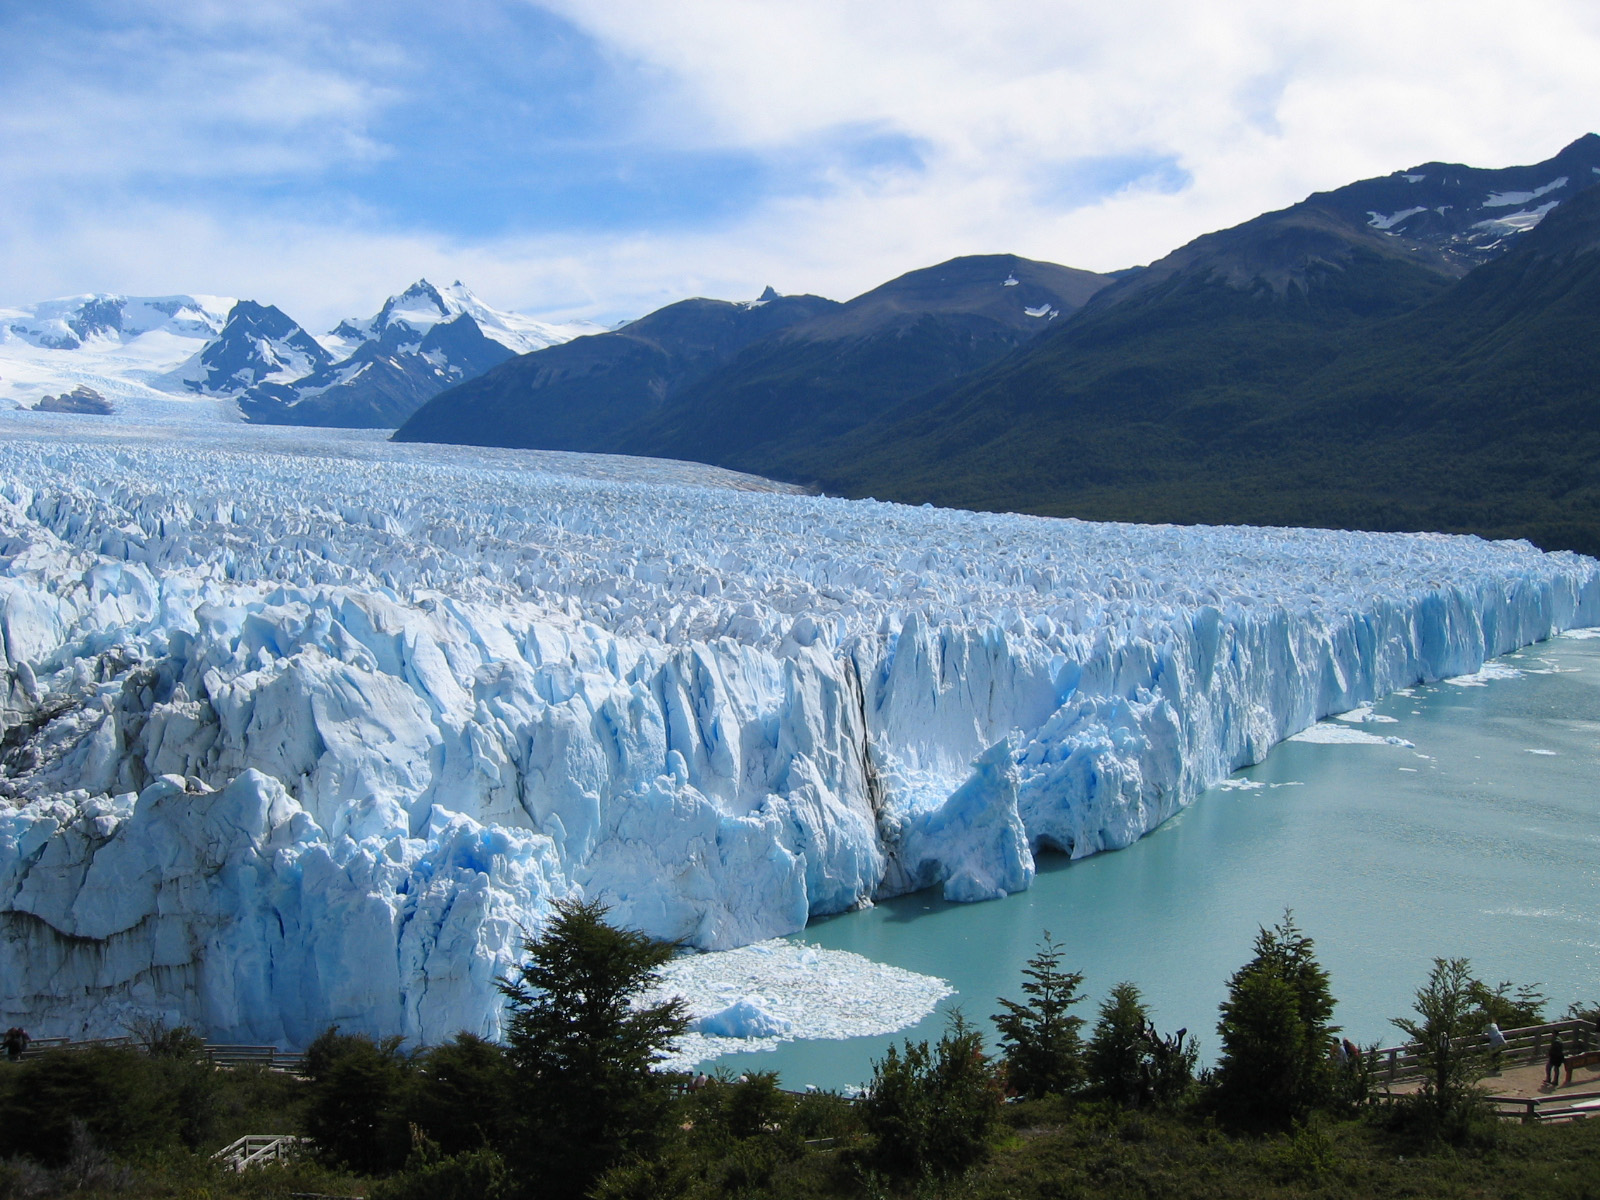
x=304, y=729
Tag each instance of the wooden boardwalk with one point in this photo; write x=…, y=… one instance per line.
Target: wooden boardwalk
x=1516, y=1087
x=218, y=1054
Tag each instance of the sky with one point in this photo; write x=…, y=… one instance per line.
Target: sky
x=601, y=158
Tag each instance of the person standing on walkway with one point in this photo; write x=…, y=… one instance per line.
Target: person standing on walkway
x=16, y=1042
x=1553, y=1061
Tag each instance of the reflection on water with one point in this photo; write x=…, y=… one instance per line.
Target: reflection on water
x=1482, y=840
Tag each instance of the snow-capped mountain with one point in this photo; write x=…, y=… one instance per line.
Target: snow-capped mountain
x=125, y=348
x=383, y=381
x=1468, y=215
x=422, y=306
x=221, y=358
x=259, y=344
x=420, y=343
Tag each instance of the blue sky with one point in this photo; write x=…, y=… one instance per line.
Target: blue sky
x=601, y=158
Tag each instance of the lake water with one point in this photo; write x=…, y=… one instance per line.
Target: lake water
x=1482, y=841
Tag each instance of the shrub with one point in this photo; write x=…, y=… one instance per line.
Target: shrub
x=460, y=1095
x=107, y=1097
x=933, y=1112
x=355, y=1113
x=476, y=1175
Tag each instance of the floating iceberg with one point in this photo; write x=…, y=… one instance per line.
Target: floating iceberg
x=749, y=1017
x=302, y=729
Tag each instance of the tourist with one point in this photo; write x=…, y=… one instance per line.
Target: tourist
x=16, y=1041
x=1552, y=1064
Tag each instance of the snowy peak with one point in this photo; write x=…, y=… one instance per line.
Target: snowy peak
x=102, y=318
x=259, y=344
x=157, y=350
x=422, y=306
x=125, y=348
x=419, y=308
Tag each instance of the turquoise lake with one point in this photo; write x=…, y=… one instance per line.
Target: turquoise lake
x=1482, y=840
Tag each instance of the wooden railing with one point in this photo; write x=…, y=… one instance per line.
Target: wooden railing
x=266, y=1056
x=1535, y=1110
x=259, y=1149
x=1400, y=1064
x=221, y=1055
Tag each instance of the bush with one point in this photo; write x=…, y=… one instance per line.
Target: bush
x=933, y=1113
x=476, y=1175
x=355, y=1113
x=731, y=1138
x=460, y=1095
x=108, y=1097
x=1509, y=1006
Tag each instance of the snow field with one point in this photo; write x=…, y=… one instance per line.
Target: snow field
x=310, y=728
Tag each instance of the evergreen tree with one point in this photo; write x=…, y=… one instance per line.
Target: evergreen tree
x=1041, y=1045
x=1276, y=1030
x=1447, y=1032
x=581, y=1054
x=1118, y=1056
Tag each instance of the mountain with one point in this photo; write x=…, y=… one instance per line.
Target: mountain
x=843, y=367
x=383, y=381
x=1298, y=369
x=422, y=306
x=1445, y=217
x=422, y=342
x=258, y=345
x=124, y=348
x=582, y=394
x=1479, y=411
x=216, y=358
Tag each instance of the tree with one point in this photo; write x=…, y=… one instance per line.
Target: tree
x=1128, y=1062
x=1276, y=1029
x=1041, y=1045
x=1117, y=1059
x=1447, y=1032
x=459, y=1095
x=582, y=1053
x=933, y=1113
x=355, y=1113
x=1508, y=1005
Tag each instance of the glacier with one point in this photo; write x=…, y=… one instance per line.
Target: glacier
x=303, y=727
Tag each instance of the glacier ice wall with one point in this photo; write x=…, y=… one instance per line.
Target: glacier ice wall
x=294, y=737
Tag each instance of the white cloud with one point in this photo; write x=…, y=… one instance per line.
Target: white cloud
x=1257, y=103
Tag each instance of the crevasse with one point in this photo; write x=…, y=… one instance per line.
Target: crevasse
x=295, y=737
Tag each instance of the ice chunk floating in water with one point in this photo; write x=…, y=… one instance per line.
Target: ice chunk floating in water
x=754, y=997
x=302, y=730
